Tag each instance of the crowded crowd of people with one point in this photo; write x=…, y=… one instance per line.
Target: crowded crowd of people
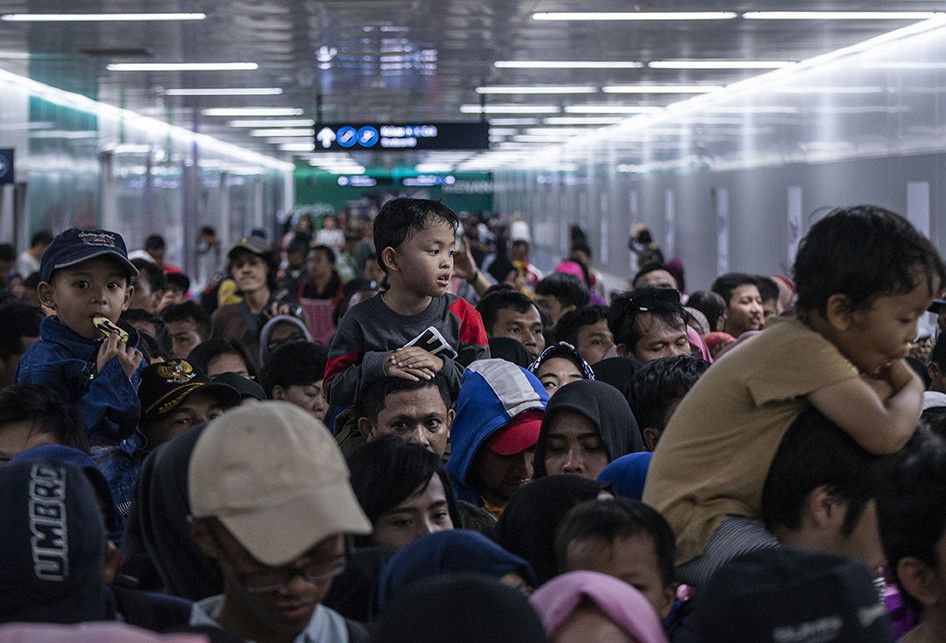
x=398, y=428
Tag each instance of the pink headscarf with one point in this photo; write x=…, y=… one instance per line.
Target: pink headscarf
x=697, y=342
x=625, y=606
x=572, y=268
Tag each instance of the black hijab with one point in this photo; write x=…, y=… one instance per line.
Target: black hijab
x=607, y=410
x=528, y=524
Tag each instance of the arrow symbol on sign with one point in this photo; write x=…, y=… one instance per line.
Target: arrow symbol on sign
x=325, y=136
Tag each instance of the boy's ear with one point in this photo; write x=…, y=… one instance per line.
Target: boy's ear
x=651, y=436
x=279, y=393
x=621, y=350
x=129, y=291
x=823, y=510
x=45, y=292
x=838, y=311
x=389, y=257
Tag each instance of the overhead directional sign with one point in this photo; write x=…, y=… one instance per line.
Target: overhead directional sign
x=401, y=136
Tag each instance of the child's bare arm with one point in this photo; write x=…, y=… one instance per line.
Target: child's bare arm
x=881, y=426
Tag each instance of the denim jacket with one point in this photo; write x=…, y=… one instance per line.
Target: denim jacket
x=107, y=400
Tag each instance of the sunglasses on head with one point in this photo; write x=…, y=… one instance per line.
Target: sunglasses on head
x=643, y=302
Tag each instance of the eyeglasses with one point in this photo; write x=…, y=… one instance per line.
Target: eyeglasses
x=644, y=301
x=272, y=579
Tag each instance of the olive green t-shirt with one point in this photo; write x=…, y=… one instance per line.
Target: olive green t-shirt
x=714, y=456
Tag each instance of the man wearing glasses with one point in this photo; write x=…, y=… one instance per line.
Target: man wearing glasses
x=271, y=502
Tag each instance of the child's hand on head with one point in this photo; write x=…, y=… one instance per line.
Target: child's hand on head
x=412, y=363
x=130, y=358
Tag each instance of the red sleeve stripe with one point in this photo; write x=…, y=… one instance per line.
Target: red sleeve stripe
x=338, y=364
x=472, y=330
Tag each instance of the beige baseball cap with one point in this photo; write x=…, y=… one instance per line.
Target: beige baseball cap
x=273, y=475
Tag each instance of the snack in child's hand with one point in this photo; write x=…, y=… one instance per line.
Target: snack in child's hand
x=107, y=327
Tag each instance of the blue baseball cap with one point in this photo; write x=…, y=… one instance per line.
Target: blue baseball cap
x=75, y=246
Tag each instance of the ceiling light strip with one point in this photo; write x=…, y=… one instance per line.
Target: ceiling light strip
x=719, y=64
x=233, y=66
x=99, y=17
x=225, y=91
x=536, y=89
x=839, y=15
x=634, y=15
x=150, y=125
x=568, y=64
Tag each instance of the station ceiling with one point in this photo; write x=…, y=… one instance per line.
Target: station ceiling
x=403, y=60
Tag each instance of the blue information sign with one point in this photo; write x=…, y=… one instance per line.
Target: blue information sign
x=401, y=136
x=6, y=165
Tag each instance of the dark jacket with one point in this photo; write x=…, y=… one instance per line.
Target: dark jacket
x=107, y=400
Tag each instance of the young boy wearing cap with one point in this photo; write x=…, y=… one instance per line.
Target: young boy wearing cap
x=271, y=501
x=416, y=328
x=253, y=268
x=499, y=416
x=86, y=275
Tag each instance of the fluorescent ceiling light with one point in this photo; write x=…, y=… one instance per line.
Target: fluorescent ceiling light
x=610, y=109
x=282, y=132
x=297, y=147
x=634, y=15
x=568, y=64
x=510, y=109
x=839, y=15
x=582, y=120
x=514, y=121
x=503, y=131
x=131, y=120
x=536, y=89
x=274, y=122
x=253, y=111
x=182, y=67
x=660, y=89
x=99, y=17
x=225, y=91
x=559, y=131
x=719, y=64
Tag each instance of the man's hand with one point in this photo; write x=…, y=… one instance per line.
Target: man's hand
x=112, y=346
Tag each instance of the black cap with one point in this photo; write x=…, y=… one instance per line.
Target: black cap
x=243, y=385
x=53, y=553
x=178, y=281
x=75, y=246
x=777, y=594
x=252, y=244
x=937, y=305
x=164, y=386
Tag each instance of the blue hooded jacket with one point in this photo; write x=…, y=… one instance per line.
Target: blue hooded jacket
x=107, y=401
x=493, y=392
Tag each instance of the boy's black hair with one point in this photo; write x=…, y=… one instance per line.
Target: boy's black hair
x=20, y=320
x=387, y=471
x=726, y=284
x=816, y=452
x=623, y=314
x=205, y=352
x=151, y=272
x=189, y=311
x=47, y=412
x=328, y=252
x=162, y=336
x=862, y=252
x=293, y=364
x=658, y=384
x=581, y=247
x=612, y=518
x=371, y=400
x=402, y=217
x=208, y=230
x=520, y=242
x=768, y=289
x=155, y=242
x=43, y=237
x=151, y=347
x=911, y=506
x=567, y=289
x=938, y=354
x=653, y=266
x=491, y=304
x=566, y=330
x=7, y=252
x=710, y=304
